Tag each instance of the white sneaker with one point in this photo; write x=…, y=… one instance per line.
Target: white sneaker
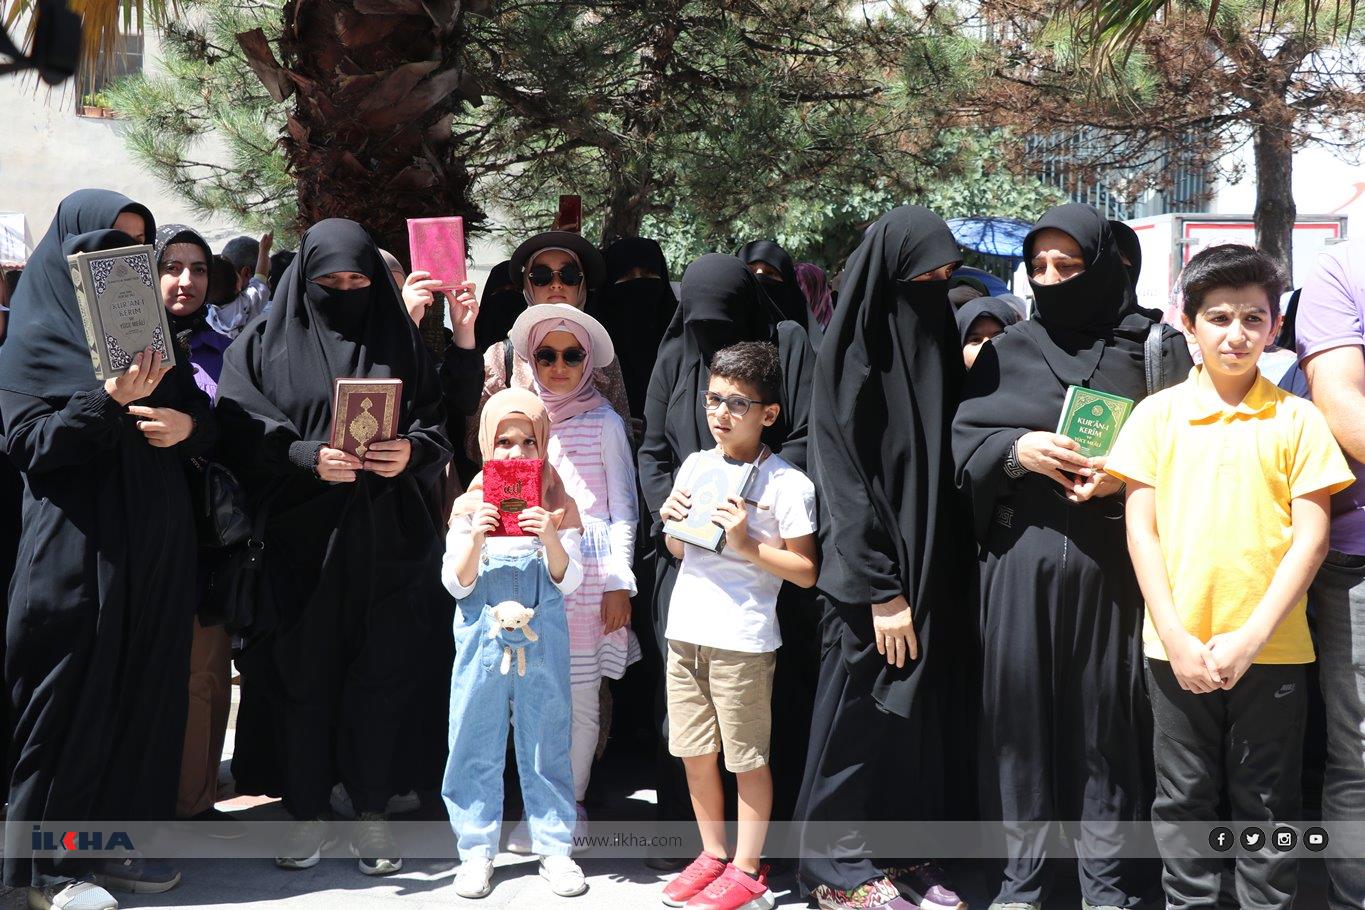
x=399, y=804
x=565, y=877
x=474, y=877
x=69, y=894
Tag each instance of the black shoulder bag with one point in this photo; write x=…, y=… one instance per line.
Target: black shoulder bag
x=1153, y=362
x=236, y=581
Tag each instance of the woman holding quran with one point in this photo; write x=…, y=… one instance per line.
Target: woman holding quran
x=1065, y=729
x=100, y=619
x=349, y=538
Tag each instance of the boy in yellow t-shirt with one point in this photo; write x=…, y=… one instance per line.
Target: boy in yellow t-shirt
x=1229, y=479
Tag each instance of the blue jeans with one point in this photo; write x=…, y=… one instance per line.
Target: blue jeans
x=483, y=699
x=1338, y=596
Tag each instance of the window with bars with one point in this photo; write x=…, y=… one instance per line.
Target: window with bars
x=123, y=59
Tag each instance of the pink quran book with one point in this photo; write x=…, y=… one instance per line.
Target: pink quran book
x=437, y=246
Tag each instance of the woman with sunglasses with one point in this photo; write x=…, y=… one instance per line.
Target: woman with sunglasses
x=590, y=449
x=723, y=304
x=555, y=267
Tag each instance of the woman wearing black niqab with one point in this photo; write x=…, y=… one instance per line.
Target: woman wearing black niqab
x=502, y=302
x=886, y=385
x=347, y=562
x=722, y=305
x=635, y=304
x=98, y=638
x=1065, y=730
x=780, y=283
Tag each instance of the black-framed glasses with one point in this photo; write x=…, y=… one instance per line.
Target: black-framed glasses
x=737, y=405
x=572, y=357
x=541, y=275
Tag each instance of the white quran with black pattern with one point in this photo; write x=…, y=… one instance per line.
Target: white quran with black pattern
x=120, y=300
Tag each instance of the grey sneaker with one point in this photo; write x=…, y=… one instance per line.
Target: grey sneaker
x=135, y=875
x=304, y=846
x=1086, y=905
x=375, y=846
x=926, y=885
x=1015, y=905
x=399, y=804
x=70, y=894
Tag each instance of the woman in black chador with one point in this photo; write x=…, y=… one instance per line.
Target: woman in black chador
x=894, y=562
x=348, y=545
x=1066, y=729
x=101, y=612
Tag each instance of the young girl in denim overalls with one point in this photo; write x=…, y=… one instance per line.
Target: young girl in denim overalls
x=488, y=687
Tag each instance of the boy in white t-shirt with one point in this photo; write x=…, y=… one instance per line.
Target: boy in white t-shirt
x=722, y=630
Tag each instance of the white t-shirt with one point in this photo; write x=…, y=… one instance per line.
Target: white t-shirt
x=725, y=601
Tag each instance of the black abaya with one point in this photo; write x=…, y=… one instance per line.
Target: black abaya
x=331, y=661
x=1065, y=729
x=785, y=294
x=722, y=305
x=635, y=312
x=885, y=389
x=98, y=634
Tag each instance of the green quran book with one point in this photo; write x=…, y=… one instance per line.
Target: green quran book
x=1093, y=419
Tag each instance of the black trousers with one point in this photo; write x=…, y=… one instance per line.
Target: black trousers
x=1245, y=744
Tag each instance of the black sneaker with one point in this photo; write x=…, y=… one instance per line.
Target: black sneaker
x=307, y=840
x=374, y=845
x=217, y=824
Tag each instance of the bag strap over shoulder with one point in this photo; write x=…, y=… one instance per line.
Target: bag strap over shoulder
x=1153, y=362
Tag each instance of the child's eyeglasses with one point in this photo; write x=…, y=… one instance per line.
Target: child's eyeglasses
x=541, y=275
x=737, y=405
x=572, y=357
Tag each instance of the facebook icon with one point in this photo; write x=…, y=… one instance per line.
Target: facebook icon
x=1220, y=839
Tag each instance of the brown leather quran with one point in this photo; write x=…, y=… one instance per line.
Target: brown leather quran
x=364, y=411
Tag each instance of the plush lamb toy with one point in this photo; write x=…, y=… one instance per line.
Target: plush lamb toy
x=510, y=616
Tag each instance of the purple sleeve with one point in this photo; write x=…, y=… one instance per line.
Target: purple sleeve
x=1330, y=307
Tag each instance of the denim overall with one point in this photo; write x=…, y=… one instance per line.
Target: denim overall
x=483, y=699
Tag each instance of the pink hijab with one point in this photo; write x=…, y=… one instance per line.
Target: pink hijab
x=584, y=397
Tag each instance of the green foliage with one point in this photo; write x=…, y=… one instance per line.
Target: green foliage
x=204, y=124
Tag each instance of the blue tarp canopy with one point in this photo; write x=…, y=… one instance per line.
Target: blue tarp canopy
x=994, y=286
x=991, y=236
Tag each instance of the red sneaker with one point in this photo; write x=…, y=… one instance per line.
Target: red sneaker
x=690, y=882
x=735, y=890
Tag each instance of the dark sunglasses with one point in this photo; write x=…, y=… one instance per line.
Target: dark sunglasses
x=541, y=275
x=572, y=357
x=737, y=405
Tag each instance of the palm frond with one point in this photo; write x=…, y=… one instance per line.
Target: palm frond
x=102, y=21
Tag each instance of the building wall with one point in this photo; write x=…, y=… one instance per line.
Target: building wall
x=47, y=151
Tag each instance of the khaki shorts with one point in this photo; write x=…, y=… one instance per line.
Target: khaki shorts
x=720, y=701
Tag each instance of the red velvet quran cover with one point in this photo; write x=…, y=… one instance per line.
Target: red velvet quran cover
x=512, y=484
x=364, y=411
x=437, y=246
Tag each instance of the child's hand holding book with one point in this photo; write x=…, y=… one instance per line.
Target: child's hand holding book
x=733, y=518
x=537, y=522
x=677, y=506
x=485, y=520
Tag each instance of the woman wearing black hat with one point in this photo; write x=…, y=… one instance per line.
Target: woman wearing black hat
x=1066, y=729
x=349, y=544
x=555, y=267
x=100, y=619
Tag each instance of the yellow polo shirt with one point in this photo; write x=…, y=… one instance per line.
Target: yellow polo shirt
x=1224, y=479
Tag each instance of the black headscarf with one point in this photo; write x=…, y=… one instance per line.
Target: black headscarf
x=313, y=334
x=501, y=304
x=1090, y=332
x=636, y=313
x=786, y=294
x=45, y=352
x=1131, y=248
x=721, y=305
x=1075, y=319
x=188, y=324
x=993, y=307
x=886, y=385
